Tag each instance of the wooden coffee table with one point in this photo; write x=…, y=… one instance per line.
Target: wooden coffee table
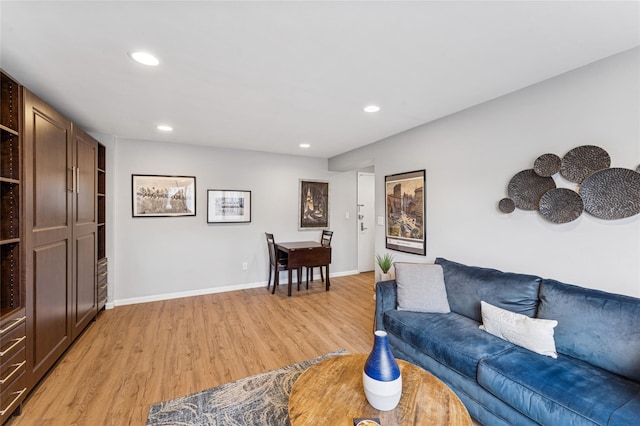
x=331, y=393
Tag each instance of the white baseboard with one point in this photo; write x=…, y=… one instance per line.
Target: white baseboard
x=200, y=292
x=190, y=293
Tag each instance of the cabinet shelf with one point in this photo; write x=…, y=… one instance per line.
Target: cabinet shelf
x=9, y=210
x=9, y=130
x=10, y=105
x=9, y=155
x=10, y=297
x=9, y=241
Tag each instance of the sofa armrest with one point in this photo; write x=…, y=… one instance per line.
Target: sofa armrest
x=386, y=300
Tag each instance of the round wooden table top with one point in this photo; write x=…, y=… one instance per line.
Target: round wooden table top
x=331, y=393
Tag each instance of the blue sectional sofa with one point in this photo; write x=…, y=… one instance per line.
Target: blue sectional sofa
x=595, y=379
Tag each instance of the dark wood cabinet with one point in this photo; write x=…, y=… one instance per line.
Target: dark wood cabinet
x=13, y=344
x=53, y=273
x=60, y=188
x=101, y=173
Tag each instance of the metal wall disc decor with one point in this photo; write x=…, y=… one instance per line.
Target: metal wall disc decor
x=547, y=165
x=526, y=188
x=507, y=205
x=561, y=205
x=581, y=162
x=612, y=193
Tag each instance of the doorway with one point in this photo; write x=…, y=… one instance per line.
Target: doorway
x=366, y=221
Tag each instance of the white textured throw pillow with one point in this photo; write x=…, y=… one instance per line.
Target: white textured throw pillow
x=421, y=288
x=534, y=334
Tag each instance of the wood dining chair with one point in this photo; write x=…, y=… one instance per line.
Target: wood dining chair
x=276, y=263
x=325, y=240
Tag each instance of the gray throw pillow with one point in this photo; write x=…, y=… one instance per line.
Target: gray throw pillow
x=421, y=288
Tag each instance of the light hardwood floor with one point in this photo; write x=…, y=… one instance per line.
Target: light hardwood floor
x=137, y=355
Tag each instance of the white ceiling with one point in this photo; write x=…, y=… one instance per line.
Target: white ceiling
x=268, y=76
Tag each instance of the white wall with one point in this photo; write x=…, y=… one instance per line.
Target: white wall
x=156, y=258
x=470, y=157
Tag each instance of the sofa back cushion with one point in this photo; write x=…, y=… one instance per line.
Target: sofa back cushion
x=468, y=285
x=600, y=328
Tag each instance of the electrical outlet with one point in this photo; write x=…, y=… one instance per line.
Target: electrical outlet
x=245, y=266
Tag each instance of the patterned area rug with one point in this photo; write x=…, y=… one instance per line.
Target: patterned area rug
x=255, y=400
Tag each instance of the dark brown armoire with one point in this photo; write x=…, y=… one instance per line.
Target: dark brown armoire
x=60, y=187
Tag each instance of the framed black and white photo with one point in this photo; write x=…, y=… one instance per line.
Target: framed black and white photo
x=405, y=212
x=313, y=204
x=224, y=206
x=163, y=196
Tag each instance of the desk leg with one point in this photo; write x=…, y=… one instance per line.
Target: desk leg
x=290, y=282
x=326, y=280
x=299, y=272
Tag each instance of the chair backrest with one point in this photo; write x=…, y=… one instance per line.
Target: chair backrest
x=272, y=248
x=326, y=238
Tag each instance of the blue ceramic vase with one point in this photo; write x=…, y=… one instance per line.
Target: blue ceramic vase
x=381, y=376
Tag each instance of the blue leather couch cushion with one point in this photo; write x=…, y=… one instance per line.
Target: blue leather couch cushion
x=600, y=328
x=451, y=339
x=468, y=285
x=556, y=391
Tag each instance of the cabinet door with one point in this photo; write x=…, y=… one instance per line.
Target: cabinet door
x=48, y=184
x=85, y=306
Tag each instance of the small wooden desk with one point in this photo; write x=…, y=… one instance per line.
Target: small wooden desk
x=307, y=254
x=331, y=393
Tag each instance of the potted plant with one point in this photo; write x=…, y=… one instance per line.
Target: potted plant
x=385, y=263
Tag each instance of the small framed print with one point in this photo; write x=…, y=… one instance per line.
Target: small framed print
x=228, y=206
x=163, y=196
x=313, y=204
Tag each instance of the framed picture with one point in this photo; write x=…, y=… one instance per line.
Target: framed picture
x=406, y=211
x=163, y=196
x=225, y=206
x=313, y=204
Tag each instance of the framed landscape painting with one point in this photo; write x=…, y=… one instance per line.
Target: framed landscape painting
x=313, y=204
x=163, y=196
x=224, y=206
x=405, y=212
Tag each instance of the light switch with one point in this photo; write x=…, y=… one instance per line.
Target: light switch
x=380, y=221
x=347, y=216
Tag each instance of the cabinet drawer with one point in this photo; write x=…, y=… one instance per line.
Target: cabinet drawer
x=102, y=279
x=12, y=342
x=102, y=266
x=11, y=325
x=102, y=285
x=12, y=396
x=13, y=368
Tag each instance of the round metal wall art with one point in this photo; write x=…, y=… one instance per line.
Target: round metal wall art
x=547, y=165
x=561, y=205
x=507, y=205
x=581, y=162
x=606, y=193
x=612, y=193
x=526, y=188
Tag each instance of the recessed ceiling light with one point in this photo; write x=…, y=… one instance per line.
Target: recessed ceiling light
x=372, y=108
x=305, y=145
x=165, y=128
x=144, y=58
